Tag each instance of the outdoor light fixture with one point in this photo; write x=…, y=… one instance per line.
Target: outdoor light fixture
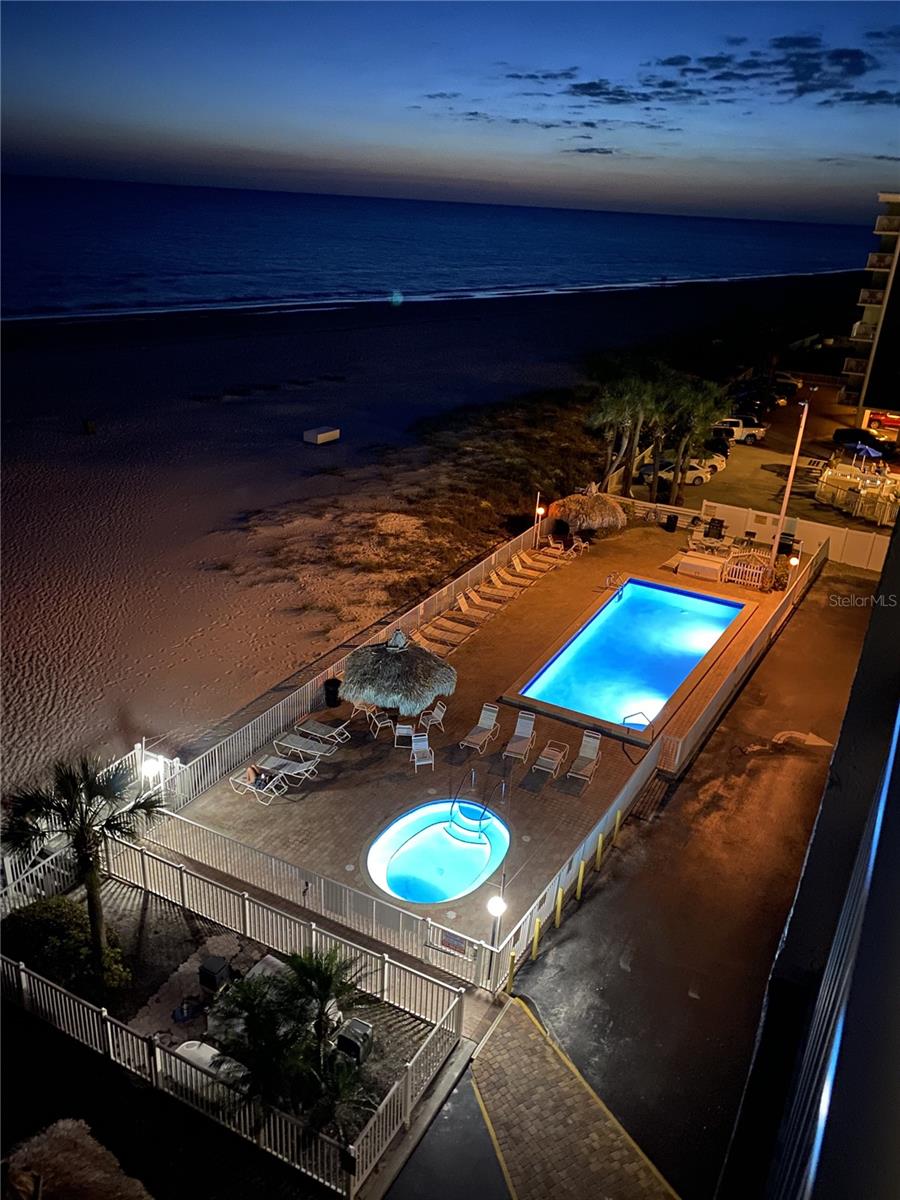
x=496, y=906
x=152, y=767
x=794, y=560
x=540, y=511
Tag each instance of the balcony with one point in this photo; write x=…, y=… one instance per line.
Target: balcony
x=879, y=262
x=861, y=332
x=871, y=297
x=887, y=225
x=855, y=366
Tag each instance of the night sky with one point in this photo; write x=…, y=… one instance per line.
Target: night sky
x=760, y=109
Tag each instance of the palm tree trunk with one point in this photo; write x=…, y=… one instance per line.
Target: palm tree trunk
x=96, y=917
x=679, y=470
x=631, y=454
x=657, y=463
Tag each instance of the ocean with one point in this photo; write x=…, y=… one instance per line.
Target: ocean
x=85, y=247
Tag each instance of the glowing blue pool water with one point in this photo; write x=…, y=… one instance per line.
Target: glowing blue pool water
x=439, y=851
x=629, y=659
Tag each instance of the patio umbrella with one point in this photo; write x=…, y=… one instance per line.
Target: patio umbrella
x=395, y=674
x=863, y=451
x=597, y=512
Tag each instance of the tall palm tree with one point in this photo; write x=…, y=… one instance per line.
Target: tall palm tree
x=322, y=983
x=87, y=803
x=697, y=405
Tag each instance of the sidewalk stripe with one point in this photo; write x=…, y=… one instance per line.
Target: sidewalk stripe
x=493, y=1136
x=587, y=1087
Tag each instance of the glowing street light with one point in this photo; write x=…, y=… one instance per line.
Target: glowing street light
x=539, y=511
x=496, y=906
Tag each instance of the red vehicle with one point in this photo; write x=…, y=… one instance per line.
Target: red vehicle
x=884, y=420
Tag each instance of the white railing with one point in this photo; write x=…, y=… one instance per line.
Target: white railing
x=462, y=957
x=391, y=981
x=748, y=572
x=48, y=877
x=207, y=769
x=342, y=1169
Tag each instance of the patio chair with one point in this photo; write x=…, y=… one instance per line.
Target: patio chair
x=379, y=721
x=529, y=572
x=421, y=754
x=365, y=709
x=295, y=743
x=484, y=603
x=433, y=716
x=326, y=731
x=502, y=578
x=588, y=756
x=551, y=758
x=404, y=730
x=468, y=612
x=557, y=548
x=264, y=793
x=579, y=545
x=522, y=739
x=481, y=735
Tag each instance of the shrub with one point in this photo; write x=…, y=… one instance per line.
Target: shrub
x=53, y=938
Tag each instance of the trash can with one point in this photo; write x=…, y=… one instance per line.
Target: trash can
x=671, y=522
x=332, y=689
x=786, y=543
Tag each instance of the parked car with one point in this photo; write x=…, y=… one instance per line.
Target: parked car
x=695, y=475
x=856, y=436
x=744, y=429
x=713, y=462
x=720, y=444
x=884, y=420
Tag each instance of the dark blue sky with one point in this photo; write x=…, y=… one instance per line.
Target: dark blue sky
x=736, y=109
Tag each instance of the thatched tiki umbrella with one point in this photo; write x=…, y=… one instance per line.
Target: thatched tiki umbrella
x=598, y=512
x=395, y=674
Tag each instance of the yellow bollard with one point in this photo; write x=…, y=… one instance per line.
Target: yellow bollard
x=559, y=903
x=598, y=857
x=536, y=938
x=580, y=884
x=512, y=973
x=618, y=826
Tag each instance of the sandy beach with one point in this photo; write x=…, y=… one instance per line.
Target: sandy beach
x=146, y=588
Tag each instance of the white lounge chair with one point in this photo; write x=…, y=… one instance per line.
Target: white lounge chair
x=421, y=754
x=507, y=577
x=437, y=648
x=295, y=743
x=497, y=583
x=483, y=603
x=289, y=768
x=527, y=572
x=404, y=730
x=447, y=624
x=538, y=561
x=441, y=633
x=558, y=548
x=327, y=732
x=551, y=758
x=480, y=737
x=264, y=793
x=588, y=756
x=522, y=739
x=467, y=612
x=488, y=591
x=433, y=716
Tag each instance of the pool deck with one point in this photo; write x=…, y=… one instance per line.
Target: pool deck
x=367, y=783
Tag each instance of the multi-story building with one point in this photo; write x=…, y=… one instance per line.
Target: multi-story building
x=871, y=375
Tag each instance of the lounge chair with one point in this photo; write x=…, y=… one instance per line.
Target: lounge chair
x=264, y=793
x=421, y=754
x=507, y=581
x=528, y=572
x=295, y=743
x=468, y=612
x=588, y=756
x=434, y=716
x=538, y=561
x=490, y=591
x=558, y=548
x=437, y=648
x=504, y=589
x=446, y=624
x=438, y=633
x=484, y=603
x=479, y=737
x=327, y=732
x=522, y=740
x=288, y=768
x=405, y=730
x=551, y=758
x=379, y=721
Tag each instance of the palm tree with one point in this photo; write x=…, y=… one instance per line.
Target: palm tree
x=342, y=1097
x=323, y=983
x=697, y=405
x=87, y=803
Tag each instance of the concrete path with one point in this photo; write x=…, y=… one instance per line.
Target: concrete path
x=553, y=1135
x=655, y=985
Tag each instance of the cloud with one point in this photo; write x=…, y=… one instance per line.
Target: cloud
x=801, y=42
x=589, y=150
x=676, y=60
x=867, y=99
x=442, y=95
x=735, y=41
x=886, y=37
x=475, y=115
x=886, y=157
x=544, y=76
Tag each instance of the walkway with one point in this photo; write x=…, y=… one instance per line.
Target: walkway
x=552, y=1133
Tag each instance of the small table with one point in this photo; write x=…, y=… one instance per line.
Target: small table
x=551, y=758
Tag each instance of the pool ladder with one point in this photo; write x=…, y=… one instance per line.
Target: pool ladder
x=470, y=829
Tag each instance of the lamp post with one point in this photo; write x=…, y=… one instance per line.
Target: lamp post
x=790, y=480
x=496, y=906
x=538, y=513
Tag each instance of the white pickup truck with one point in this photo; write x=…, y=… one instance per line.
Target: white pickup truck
x=741, y=429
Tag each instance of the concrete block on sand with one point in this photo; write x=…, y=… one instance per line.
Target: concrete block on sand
x=322, y=433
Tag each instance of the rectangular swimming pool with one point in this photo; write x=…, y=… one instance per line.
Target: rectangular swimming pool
x=624, y=664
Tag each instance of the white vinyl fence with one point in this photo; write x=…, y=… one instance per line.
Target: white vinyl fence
x=342, y=1169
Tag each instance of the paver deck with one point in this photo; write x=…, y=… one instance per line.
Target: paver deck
x=329, y=826
x=552, y=1133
